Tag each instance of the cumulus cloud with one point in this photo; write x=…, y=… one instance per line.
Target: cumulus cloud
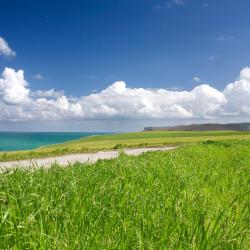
x=5, y=50
x=118, y=101
x=13, y=86
x=47, y=93
x=238, y=94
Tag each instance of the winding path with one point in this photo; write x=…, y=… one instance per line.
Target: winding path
x=64, y=160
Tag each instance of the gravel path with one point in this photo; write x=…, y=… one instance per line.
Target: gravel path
x=70, y=159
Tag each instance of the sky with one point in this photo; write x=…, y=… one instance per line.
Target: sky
x=121, y=65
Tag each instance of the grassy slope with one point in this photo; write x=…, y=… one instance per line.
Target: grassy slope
x=139, y=139
x=196, y=197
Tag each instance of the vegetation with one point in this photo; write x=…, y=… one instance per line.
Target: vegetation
x=195, y=197
x=118, y=141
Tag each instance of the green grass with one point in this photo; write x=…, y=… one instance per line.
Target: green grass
x=195, y=197
x=126, y=140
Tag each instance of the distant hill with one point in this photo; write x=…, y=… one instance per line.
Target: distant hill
x=203, y=127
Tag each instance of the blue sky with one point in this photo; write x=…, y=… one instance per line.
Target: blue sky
x=82, y=47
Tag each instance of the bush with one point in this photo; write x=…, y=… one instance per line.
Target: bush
x=118, y=146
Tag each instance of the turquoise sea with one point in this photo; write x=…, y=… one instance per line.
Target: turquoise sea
x=10, y=141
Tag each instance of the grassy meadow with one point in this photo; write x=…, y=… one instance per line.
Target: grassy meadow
x=126, y=140
x=194, y=197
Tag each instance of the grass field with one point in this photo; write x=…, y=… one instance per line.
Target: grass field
x=195, y=197
x=126, y=140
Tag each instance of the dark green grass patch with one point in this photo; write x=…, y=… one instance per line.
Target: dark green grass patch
x=196, y=197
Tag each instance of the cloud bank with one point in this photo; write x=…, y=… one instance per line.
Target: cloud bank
x=5, y=50
x=19, y=103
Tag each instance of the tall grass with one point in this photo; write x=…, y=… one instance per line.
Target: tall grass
x=196, y=197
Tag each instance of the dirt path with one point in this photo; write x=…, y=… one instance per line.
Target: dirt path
x=70, y=159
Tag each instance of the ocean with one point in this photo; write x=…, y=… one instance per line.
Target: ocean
x=10, y=141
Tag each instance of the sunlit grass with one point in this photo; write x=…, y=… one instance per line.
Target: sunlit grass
x=195, y=197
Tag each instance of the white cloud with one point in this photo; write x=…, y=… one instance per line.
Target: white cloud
x=238, y=94
x=38, y=76
x=118, y=101
x=245, y=74
x=5, y=50
x=48, y=93
x=196, y=79
x=13, y=86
